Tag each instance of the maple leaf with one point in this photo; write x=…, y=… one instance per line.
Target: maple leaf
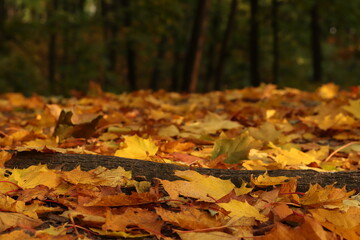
x=266, y=180
x=240, y=209
x=214, y=235
x=65, y=128
x=52, y=231
x=308, y=229
x=329, y=195
x=9, y=220
x=202, y=187
x=16, y=235
x=266, y=132
x=34, y=176
x=169, y=131
x=137, y=148
x=189, y=218
x=345, y=224
x=353, y=108
x=236, y=149
x=210, y=124
x=292, y=157
x=139, y=217
x=330, y=116
x=124, y=199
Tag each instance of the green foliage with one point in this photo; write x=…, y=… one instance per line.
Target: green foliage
x=81, y=52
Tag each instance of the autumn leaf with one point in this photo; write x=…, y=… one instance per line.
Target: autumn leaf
x=139, y=217
x=210, y=124
x=292, y=157
x=214, y=235
x=353, y=108
x=4, y=156
x=240, y=209
x=10, y=220
x=266, y=180
x=346, y=224
x=329, y=195
x=137, y=148
x=34, y=176
x=201, y=187
x=189, y=218
x=236, y=149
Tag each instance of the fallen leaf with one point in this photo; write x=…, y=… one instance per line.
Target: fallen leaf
x=137, y=148
x=240, y=209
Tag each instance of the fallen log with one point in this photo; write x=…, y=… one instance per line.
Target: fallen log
x=150, y=170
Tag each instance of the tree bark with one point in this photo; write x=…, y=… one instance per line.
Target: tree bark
x=195, y=46
x=147, y=170
x=254, y=43
x=275, y=33
x=316, y=43
x=224, y=45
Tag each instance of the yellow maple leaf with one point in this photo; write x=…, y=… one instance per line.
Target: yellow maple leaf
x=202, y=187
x=292, y=157
x=240, y=209
x=9, y=220
x=34, y=176
x=266, y=180
x=353, y=108
x=329, y=195
x=210, y=124
x=137, y=148
x=345, y=224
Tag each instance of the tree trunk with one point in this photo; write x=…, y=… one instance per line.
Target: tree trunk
x=224, y=45
x=130, y=48
x=147, y=170
x=213, y=47
x=52, y=55
x=110, y=31
x=3, y=16
x=275, y=33
x=254, y=43
x=316, y=43
x=156, y=74
x=193, y=57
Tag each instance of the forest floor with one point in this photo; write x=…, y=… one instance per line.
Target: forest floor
x=255, y=163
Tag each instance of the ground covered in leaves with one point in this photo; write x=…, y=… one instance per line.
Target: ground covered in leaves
x=261, y=128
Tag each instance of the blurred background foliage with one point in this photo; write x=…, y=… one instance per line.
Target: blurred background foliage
x=55, y=46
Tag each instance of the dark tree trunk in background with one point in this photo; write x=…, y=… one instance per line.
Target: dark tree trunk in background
x=175, y=67
x=130, y=47
x=110, y=31
x=254, y=43
x=316, y=43
x=275, y=33
x=156, y=74
x=195, y=46
x=52, y=45
x=224, y=45
x=3, y=15
x=213, y=47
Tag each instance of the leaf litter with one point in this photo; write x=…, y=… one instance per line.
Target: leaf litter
x=260, y=128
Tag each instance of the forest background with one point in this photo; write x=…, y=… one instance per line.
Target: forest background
x=59, y=46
